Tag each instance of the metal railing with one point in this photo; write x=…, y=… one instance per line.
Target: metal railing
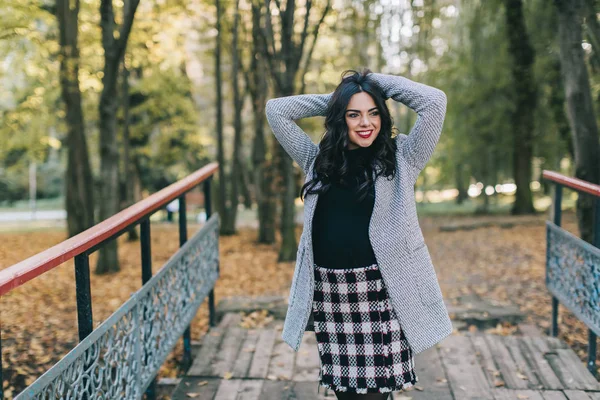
x=573, y=265
x=120, y=358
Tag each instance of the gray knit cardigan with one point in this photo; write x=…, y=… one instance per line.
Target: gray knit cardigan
x=396, y=237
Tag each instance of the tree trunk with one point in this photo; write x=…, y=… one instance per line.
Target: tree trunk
x=245, y=185
x=557, y=105
x=230, y=222
x=593, y=33
x=460, y=184
x=114, y=48
x=263, y=168
x=582, y=118
x=79, y=183
x=132, y=234
x=222, y=195
x=522, y=54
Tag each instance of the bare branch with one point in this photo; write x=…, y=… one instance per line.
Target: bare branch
x=300, y=48
x=129, y=13
x=270, y=56
x=312, y=46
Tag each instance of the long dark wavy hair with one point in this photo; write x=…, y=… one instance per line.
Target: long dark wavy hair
x=331, y=163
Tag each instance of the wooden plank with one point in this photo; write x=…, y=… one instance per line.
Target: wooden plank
x=576, y=394
x=260, y=362
x=250, y=389
x=282, y=360
x=466, y=378
x=196, y=385
x=578, y=369
x=513, y=344
x=228, y=389
x=529, y=329
x=549, y=346
x=246, y=353
x=308, y=361
x=227, y=354
x=542, y=368
x=432, y=382
x=486, y=360
x=509, y=394
x=230, y=319
x=555, y=343
x=277, y=390
x=211, y=342
x=561, y=370
x=541, y=343
x=311, y=391
x=553, y=395
x=565, y=364
x=506, y=364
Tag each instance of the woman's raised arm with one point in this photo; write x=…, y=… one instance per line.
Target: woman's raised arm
x=430, y=105
x=283, y=111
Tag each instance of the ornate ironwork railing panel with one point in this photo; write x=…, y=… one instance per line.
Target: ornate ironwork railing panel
x=573, y=274
x=119, y=359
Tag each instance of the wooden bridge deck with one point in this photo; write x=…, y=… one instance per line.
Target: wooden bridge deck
x=237, y=363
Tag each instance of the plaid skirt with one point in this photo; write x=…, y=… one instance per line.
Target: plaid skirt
x=361, y=344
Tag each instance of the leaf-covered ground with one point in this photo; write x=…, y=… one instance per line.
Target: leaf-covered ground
x=39, y=322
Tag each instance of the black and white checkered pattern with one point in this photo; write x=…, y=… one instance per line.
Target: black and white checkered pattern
x=361, y=344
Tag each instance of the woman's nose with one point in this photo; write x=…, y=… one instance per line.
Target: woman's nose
x=364, y=121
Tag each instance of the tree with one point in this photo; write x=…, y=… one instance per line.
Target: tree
x=523, y=58
x=263, y=176
x=79, y=189
x=285, y=68
x=114, y=43
x=581, y=115
x=222, y=204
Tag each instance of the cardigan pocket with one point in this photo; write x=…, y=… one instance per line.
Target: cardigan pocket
x=425, y=276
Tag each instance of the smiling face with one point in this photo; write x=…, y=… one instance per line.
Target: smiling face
x=363, y=120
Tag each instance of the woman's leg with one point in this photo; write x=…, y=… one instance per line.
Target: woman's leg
x=366, y=396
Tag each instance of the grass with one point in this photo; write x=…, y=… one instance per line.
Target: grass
x=57, y=203
x=501, y=205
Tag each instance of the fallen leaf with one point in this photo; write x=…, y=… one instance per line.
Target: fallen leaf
x=522, y=376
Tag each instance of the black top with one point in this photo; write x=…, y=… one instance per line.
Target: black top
x=340, y=228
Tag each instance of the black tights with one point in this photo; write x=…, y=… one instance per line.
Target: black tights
x=366, y=396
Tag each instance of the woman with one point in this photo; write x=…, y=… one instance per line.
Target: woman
x=363, y=271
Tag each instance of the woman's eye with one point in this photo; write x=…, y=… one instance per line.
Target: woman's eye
x=352, y=115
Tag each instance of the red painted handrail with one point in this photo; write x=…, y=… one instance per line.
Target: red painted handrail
x=573, y=183
x=40, y=263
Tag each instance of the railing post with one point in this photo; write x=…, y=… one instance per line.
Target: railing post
x=591, y=363
x=557, y=217
x=187, y=334
x=208, y=210
x=85, y=320
x=146, y=275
